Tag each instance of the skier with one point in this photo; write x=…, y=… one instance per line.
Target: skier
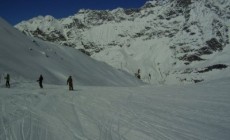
x=40, y=81
x=149, y=77
x=138, y=75
x=7, y=80
x=70, y=82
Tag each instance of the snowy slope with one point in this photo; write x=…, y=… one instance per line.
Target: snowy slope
x=105, y=111
x=173, y=40
x=192, y=112
x=26, y=58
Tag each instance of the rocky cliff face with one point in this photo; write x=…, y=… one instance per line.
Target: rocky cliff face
x=174, y=41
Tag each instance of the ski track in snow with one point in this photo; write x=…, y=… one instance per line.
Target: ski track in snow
x=115, y=113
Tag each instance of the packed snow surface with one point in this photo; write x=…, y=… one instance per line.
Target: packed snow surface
x=195, y=112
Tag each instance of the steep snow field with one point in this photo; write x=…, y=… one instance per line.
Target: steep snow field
x=26, y=58
x=191, y=112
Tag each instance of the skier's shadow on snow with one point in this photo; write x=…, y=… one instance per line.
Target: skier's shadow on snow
x=12, y=85
x=42, y=93
x=75, y=90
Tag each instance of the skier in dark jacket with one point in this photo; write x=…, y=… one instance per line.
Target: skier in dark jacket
x=70, y=83
x=138, y=75
x=7, y=81
x=40, y=81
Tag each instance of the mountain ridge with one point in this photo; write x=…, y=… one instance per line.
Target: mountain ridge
x=171, y=40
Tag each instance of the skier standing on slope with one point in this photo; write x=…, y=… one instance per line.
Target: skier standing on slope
x=138, y=74
x=149, y=78
x=7, y=80
x=70, y=82
x=40, y=81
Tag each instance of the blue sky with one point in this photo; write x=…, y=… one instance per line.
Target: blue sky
x=14, y=11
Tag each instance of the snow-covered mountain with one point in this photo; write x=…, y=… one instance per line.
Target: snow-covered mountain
x=106, y=111
x=25, y=58
x=175, y=41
